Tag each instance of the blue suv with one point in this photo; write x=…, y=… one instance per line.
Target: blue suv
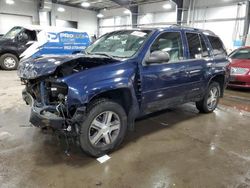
x=96, y=96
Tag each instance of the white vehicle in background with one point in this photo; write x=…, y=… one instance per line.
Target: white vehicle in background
x=33, y=41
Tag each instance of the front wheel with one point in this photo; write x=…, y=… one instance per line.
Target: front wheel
x=8, y=62
x=210, y=100
x=104, y=128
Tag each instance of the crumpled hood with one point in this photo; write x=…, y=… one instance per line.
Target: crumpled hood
x=46, y=65
x=32, y=68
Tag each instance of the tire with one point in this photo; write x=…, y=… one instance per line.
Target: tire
x=8, y=61
x=204, y=106
x=97, y=136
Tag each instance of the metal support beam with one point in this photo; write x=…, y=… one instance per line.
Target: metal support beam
x=179, y=4
x=40, y=4
x=122, y=3
x=134, y=15
x=246, y=23
x=132, y=7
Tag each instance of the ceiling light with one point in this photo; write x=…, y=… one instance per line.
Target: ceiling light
x=127, y=11
x=167, y=6
x=10, y=2
x=85, y=4
x=100, y=15
x=60, y=9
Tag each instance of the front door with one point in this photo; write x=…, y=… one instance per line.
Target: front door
x=163, y=84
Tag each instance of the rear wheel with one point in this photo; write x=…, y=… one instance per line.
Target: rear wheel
x=8, y=61
x=210, y=100
x=104, y=128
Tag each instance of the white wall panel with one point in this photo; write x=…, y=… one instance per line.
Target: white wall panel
x=7, y=21
x=87, y=20
x=225, y=30
x=222, y=21
x=26, y=9
x=220, y=12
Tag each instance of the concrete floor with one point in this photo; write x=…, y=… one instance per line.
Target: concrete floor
x=174, y=148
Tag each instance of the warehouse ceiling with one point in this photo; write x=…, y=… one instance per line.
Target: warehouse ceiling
x=101, y=4
x=108, y=4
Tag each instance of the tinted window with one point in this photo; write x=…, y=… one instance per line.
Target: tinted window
x=218, y=49
x=169, y=42
x=241, y=54
x=31, y=35
x=205, y=52
x=194, y=45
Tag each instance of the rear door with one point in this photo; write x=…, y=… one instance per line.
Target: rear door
x=198, y=65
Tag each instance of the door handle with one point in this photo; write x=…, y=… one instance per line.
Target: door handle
x=194, y=71
x=209, y=65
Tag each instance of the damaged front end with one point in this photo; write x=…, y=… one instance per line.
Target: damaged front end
x=49, y=107
x=54, y=102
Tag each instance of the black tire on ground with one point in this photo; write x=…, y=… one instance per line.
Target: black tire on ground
x=11, y=65
x=203, y=105
x=101, y=108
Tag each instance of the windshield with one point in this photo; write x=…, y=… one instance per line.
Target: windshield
x=12, y=33
x=121, y=44
x=241, y=54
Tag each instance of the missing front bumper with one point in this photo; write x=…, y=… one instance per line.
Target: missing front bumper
x=46, y=117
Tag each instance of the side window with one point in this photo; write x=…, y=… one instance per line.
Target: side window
x=218, y=48
x=194, y=45
x=169, y=42
x=205, y=51
x=30, y=34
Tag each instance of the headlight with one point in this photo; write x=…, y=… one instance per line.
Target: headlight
x=238, y=71
x=57, y=88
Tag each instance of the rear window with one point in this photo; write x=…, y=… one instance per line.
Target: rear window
x=240, y=54
x=218, y=48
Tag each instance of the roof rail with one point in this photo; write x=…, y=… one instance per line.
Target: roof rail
x=194, y=29
x=184, y=27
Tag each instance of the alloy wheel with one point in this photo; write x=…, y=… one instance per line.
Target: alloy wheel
x=212, y=98
x=104, y=129
x=9, y=62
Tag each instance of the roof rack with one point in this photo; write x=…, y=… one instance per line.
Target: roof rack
x=208, y=32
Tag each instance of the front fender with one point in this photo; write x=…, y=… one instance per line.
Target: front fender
x=85, y=85
x=79, y=93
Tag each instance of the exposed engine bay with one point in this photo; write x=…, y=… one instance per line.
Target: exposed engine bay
x=81, y=64
x=47, y=94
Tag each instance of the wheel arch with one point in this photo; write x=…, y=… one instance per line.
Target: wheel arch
x=220, y=78
x=10, y=52
x=123, y=96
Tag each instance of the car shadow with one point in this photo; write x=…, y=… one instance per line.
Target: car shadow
x=54, y=151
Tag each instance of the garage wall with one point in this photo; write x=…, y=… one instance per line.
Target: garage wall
x=25, y=12
x=149, y=15
x=86, y=20
x=114, y=19
x=154, y=15
x=21, y=13
x=225, y=21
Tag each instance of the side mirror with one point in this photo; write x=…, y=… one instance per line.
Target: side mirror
x=158, y=57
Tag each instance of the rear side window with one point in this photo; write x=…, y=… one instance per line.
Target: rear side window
x=197, y=46
x=218, y=48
